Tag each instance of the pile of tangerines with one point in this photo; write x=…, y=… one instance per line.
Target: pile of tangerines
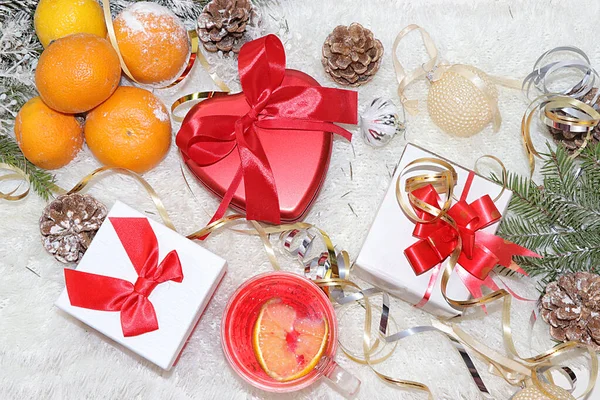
x=78, y=77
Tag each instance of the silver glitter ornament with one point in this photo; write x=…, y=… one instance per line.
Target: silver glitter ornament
x=380, y=122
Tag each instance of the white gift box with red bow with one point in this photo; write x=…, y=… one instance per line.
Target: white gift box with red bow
x=382, y=261
x=178, y=303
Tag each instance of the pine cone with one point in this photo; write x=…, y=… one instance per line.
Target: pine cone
x=351, y=56
x=574, y=140
x=571, y=306
x=69, y=224
x=222, y=24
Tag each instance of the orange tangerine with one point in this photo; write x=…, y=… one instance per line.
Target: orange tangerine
x=153, y=42
x=77, y=72
x=47, y=138
x=131, y=130
x=287, y=347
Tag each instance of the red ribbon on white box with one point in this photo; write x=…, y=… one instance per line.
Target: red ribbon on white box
x=105, y=293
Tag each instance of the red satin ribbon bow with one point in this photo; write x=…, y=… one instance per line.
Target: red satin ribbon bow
x=209, y=139
x=480, y=252
x=105, y=293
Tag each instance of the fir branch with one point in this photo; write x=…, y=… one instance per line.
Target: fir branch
x=527, y=199
x=532, y=234
x=42, y=182
x=560, y=220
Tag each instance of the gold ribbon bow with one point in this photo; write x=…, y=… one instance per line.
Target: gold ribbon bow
x=515, y=370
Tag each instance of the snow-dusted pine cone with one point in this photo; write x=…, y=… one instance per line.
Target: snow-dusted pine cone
x=571, y=306
x=69, y=224
x=351, y=55
x=222, y=24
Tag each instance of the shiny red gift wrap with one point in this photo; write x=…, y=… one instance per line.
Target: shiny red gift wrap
x=266, y=150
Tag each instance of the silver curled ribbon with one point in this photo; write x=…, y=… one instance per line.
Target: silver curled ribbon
x=561, y=108
x=330, y=270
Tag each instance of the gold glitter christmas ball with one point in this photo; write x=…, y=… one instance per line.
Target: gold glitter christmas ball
x=533, y=393
x=459, y=107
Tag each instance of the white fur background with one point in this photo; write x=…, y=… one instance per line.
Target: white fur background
x=47, y=355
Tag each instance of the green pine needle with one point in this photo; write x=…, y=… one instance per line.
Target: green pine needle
x=42, y=182
x=559, y=220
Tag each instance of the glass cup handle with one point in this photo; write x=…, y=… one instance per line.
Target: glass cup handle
x=343, y=380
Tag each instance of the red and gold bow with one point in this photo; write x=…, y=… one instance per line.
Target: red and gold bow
x=105, y=293
x=209, y=139
x=480, y=251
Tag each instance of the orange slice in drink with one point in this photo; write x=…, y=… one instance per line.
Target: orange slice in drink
x=287, y=347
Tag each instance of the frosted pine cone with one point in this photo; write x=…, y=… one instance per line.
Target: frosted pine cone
x=222, y=24
x=351, y=55
x=69, y=224
x=571, y=306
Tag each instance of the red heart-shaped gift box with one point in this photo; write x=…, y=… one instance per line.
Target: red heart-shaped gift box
x=273, y=139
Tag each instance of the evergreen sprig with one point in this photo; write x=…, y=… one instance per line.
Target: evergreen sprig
x=560, y=219
x=42, y=182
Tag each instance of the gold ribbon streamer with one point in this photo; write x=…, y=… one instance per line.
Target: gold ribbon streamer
x=444, y=184
x=195, y=53
x=504, y=173
x=433, y=70
x=551, y=107
x=218, y=81
x=162, y=211
x=513, y=371
x=197, y=96
x=17, y=175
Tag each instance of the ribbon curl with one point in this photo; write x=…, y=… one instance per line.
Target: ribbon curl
x=335, y=277
x=105, y=293
x=16, y=174
x=433, y=69
x=480, y=251
x=209, y=139
x=454, y=231
x=565, y=109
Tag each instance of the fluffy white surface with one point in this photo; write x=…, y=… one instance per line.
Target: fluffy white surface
x=45, y=354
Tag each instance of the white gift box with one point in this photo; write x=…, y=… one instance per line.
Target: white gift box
x=178, y=305
x=382, y=261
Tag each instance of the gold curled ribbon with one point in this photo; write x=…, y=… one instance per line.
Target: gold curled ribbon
x=162, y=211
x=504, y=174
x=514, y=371
x=195, y=53
x=559, y=112
x=16, y=174
x=445, y=186
x=197, y=96
x=433, y=70
x=200, y=96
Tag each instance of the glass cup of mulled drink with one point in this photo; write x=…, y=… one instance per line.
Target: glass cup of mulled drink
x=279, y=333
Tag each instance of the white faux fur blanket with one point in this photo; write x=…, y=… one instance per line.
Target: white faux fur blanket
x=46, y=355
